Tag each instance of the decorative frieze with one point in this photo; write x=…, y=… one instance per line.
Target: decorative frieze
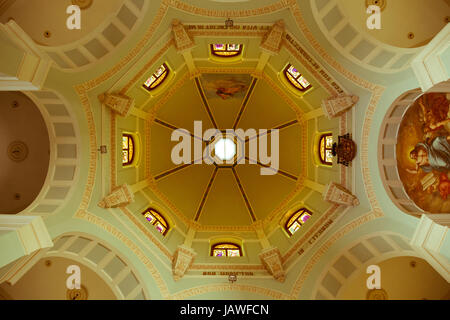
x=272, y=41
x=182, y=39
x=119, y=197
x=337, y=194
x=272, y=261
x=182, y=261
x=336, y=106
x=119, y=103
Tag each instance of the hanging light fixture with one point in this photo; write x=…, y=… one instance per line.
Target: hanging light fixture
x=229, y=23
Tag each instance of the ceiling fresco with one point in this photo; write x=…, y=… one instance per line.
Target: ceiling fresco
x=423, y=152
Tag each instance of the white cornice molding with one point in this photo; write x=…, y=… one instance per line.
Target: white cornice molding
x=428, y=240
x=31, y=235
x=430, y=66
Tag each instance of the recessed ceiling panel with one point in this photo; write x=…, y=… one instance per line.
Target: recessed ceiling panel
x=185, y=107
x=265, y=109
x=225, y=204
x=185, y=187
x=265, y=192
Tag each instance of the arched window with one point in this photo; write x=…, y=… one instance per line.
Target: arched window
x=226, y=250
x=297, y=219
x=157, y=78
x=226, y=50
x=325, y=149
x=296, y=79
x=127, y=149
x=156, y=219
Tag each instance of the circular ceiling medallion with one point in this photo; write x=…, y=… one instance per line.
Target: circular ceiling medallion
x=377, y=294
x=83, y=4
x=18, y=151
x=225, y=149
x=77, y=294
x=380, y=3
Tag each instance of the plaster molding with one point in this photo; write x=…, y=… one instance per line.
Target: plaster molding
x=272, y=261
x=106, y=226
x=270, y=293
x=119, y=197
x=272, y=41
x=30, y=235
x=182, y=40
x=182, y=261
x=428, y=239
x=298, y=284
x=119, y=103
x=337, y=194
x=337, y=106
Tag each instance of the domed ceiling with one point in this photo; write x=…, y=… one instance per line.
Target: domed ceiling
x=236, y=194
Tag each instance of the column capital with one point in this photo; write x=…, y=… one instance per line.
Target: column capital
x=182, y=261
x=119, y=103
x=272, y=261
x=119, y=197
x=337, y=194
x=336, y=106
x=272, y=41
x=182, y=40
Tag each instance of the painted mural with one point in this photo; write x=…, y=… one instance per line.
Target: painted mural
x=225, y=86
x=423, y=152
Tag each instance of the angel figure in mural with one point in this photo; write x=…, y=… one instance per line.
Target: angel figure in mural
x=436, y=115
x=227, y=88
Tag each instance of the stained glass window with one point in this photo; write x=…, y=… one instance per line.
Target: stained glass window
x=156, y=219
x=297, y=219
x=157, y=78
x=226, y=250
x=226, y=50
x=325, y=149
x=296, y=78
x=127, y=149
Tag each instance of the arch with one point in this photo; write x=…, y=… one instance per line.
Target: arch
x=95, y=46
x=105, y=261
x=355, y=43
x=368, y=250
x=156, y=219
x=296, y=220
x=325, y=149
x=226, y=249
x=296, y=79
x=65, y=146
x=226, y=50
x=395, y=157
x=128, y=149
x=157, y=78
x=386, y=152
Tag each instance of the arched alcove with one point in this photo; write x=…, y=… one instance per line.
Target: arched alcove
x=413, y=152
x=103, y=28
x=25, y=152
x=402, y=278
x=46, y=280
